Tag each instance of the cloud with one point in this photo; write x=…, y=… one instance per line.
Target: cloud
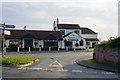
x=40, y=15
x=92, y=4
x=98, y=15
x=102, y=27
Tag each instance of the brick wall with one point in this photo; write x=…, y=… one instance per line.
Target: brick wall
x=107, y=55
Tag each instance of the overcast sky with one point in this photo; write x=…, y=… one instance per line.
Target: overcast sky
x=98, y=15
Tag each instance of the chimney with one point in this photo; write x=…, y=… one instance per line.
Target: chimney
x=24, y=27
x=57, y=21
x=54, y=27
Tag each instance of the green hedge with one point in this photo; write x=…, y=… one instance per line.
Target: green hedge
x=113, y=43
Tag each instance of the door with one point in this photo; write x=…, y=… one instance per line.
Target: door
x=93, y=44
x=68, y=44
x=28, y=43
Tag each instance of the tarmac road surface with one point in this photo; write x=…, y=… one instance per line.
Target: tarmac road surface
x=56, y=65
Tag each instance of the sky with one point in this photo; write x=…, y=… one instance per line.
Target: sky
x=99, y=15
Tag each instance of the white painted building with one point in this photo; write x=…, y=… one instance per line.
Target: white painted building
x=75, y=36
x=63, y=36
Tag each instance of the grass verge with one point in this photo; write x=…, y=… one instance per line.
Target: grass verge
x=91, y=49
x=12, y=60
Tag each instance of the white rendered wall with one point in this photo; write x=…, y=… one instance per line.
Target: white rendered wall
x=63, y=44
x=23, y=45
x=59, y=44
x=91, y=43
x=33, y=43
x=41, y=42
x=37, y=46
x=75, y=36
x=7, y=43
x=89, y=35
x=69, y=30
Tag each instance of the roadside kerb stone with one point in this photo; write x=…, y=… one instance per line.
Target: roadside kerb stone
x=87, y=62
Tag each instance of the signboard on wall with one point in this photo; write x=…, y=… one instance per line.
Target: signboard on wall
x=7, y=32
x=7, y=26
x=72, y=39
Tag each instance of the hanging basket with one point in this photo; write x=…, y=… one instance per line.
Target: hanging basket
x=35, y=43
x=21, y=43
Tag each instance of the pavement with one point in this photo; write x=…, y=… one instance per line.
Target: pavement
x=89, y=63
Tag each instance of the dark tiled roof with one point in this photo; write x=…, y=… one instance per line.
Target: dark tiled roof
x=37, y=34
x=87, y=31
x=67, y=34
x=68, y=26
x=91, y=39
x=76, y=26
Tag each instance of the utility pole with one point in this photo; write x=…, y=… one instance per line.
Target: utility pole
x=3, y=34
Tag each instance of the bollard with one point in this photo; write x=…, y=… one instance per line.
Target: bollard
x=67, y=48
x=58, y=49
x=49, y=48
x=5, y=49
x=88, y=47
x=18, y=50
x=74, y=49
x=40, y=49
x=29, y=49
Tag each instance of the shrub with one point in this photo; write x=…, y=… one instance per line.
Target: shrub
x=113, y=43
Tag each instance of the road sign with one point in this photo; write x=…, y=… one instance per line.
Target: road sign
x=9, y=26
x=7, y=32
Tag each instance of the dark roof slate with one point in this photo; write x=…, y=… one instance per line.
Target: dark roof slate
x=87, y=31
x=76, y=26
x=37, y=34
x=68, y=26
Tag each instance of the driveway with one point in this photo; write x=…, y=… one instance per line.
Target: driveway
x=56, y=65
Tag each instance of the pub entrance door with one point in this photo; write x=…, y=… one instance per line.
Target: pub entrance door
x=28, y=43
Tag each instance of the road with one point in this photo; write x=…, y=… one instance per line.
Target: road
x=56, y=65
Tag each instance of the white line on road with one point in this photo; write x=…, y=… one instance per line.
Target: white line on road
x=76, y=71
x=30, y=68
x=55, y=64
x=108, y=73
x=91, y=72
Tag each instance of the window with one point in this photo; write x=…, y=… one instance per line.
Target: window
x=77, y=32
x=63, y=32
x=13, y=42
x=87, y=43
x=81, y=43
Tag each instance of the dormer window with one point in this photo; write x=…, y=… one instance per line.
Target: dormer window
x=63, y=32
x=77, y=32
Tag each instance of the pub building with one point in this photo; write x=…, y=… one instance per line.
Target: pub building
x=63, y=36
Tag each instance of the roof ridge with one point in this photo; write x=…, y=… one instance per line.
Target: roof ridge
x=68, y=24
x=32, y=30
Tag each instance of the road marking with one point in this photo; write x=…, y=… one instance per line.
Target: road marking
x=76, y=71
x=24, y=68
x=91, y=72
x=60, y=70
x=55, y=64
x=108, y=73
